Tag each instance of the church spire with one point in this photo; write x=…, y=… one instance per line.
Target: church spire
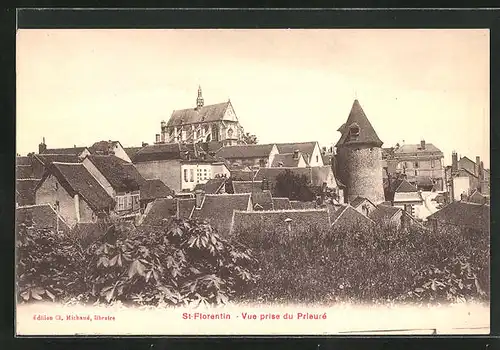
x=199, y=99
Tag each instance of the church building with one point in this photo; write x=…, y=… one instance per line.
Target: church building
x=203, y=123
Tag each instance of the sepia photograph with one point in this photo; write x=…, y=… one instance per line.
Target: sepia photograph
x=252, y=182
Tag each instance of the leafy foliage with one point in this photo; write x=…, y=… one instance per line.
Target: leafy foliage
x=293, y=186
x=377, y=266
x=250, y=139
x=180, y=263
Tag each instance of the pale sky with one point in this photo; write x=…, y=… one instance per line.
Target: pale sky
x=82, y=86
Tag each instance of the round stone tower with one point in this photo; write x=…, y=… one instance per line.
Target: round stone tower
x=359, y=158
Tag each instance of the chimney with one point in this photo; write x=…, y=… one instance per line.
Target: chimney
x=422, y=144
x=296, y=154
x=454, y=162
x=478, y=164
x=157, y=138
x=198, y=195
x=42, y=147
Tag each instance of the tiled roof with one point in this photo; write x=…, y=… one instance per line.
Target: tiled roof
x=204, y=114
x=477, y=197
x=357, y=201
x=327, y=159
x=131, y=151
x=367, y=134
x=281, y=203
x=103, y=147
x=25, y=191
x=121, y=175
x=211, y=146
x=246, y=186
x=241, y=175
x=302, y=205
x=263, y=199
x=404, y=186
x=165, y=151
x=46, y=159
x=71, y=150
x=383, y=213
x=77, y=180
x=43, y=216
x=218, y=209
x=212, y=186
x=315, y=175
x=286, y=160
x=464, y=214
x=23, y=160
x=186, y=207
x=88, y=230
x=245, y=151
x=24, y=172
x=306, y=148
x=346, y=217
x=158, y=210
x=153, y=189
x=416, y=148
x=277, y=221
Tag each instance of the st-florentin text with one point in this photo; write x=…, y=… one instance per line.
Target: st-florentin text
x=205, y=316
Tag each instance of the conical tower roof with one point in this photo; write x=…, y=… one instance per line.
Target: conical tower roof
x=365, y=132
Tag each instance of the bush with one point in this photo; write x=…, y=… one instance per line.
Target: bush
x=370, y=266
x=182, y=262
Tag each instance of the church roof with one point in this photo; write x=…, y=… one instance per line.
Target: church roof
x=193, y=115
x=367, y=134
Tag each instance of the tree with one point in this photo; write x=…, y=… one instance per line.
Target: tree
x=250, y=139
x=293, y=186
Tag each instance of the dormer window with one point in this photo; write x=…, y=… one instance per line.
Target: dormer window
x=353, y=132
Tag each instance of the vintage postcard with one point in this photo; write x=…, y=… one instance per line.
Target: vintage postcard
x=252, y=182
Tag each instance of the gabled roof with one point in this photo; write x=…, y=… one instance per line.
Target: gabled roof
x=24, y=172
x=158, y=210
x=207, y=113
x=404, y=186
x=383, y=213
x=25, y=191
x=416, y=149
x=477, y=197
x=186, y=207
x=23, y=160
x=153, y=189
x=212, y=186
x=264, y=199
x=367, y=134
x=306, y=148
x=281, y=203
x=121, y=175
x=47, y=159
x=164, y=151
x=76, y=179
x=71, y=150
x=287, y=160
x=247, y=186
x=43, y=216
x=346, y=217
x=464, y=214
x=131, y=151
x=358, y=201
x=241, y=175
x=103, y=147
x=218, y=209
x=245, y=151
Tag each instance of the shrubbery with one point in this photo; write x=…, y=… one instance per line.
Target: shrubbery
x=377, y=266
x=182, y=262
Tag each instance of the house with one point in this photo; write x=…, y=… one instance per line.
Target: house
x=74, y=192
x=404, y=195
x=423, y=164
x=120, y=179
x=213, y=186
x=34, y=165
x=41, y=216
x=247, y=186
x=180, y=167
x=478, y=198
x=203, y=123
x=218, y=209
x=25, y=191
x=262, y=200
x=363, y=205
x=110, y=148
x=281, y=203
x=300, y=222
x=393, y=217
x=310, y=151
x=348, y=219
x=75, y=151
x=252, y=156
x=153, y=189
x=466, y=176
x=461, y=216
x=289, y=160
